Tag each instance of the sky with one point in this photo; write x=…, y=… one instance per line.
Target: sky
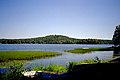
x=80, y=19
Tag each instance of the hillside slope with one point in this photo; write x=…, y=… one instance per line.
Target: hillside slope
x=54, y=39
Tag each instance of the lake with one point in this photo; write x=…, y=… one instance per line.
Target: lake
x=65, y=58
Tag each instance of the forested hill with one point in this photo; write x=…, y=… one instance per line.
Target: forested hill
x=54, y=39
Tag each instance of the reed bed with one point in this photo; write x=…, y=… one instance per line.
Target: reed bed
x=24, y=55
x=88, y=50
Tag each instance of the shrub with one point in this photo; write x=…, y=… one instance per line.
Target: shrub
x=14, y=73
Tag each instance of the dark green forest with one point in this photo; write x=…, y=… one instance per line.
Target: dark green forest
x=54, y=39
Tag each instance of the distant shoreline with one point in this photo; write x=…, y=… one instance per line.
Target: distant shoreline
x=54, y=39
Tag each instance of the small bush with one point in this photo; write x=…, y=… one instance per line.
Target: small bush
x=14, y=73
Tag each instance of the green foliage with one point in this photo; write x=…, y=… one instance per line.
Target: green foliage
x=80, y=50
x=9, y=63
x=52, y=68
x=24, y=55
x=55, y=68
x=16, y=68
x=116, y=36
x=54, y=39
x=37, y=68
x=14, y=73
x=90, y=61
x=116, y=41
x=69, y=67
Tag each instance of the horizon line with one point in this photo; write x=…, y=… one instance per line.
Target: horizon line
x=57, y=35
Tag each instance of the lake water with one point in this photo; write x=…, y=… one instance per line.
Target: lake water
x=65, y=58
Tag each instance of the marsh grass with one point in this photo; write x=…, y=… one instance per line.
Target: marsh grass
x=88, y=50
x=24, y=55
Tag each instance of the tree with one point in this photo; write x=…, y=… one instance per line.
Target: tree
x=116, y=39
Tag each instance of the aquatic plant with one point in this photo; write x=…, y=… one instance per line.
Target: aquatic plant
x=88, y=50
x=52, y=68
x=25, y=55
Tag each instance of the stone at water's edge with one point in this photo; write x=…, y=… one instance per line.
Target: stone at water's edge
x=29, y=74
x=44, y=74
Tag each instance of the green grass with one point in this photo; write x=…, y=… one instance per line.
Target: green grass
x=89, y=61
x=16, y=68
x=24, y=55
x=10, y=63
x=51, y=68
x=15, y=71
x=88, y=50
x=59, y=68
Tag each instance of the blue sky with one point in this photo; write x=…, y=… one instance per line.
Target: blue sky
x=73, y=18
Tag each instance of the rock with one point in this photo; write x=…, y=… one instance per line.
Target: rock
x=44, y=74
x=29, y=74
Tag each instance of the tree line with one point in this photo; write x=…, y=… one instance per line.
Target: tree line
x=54, y=39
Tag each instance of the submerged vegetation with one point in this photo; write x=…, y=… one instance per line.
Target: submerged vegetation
x=24, y=55
x=87, y=50
x=54, y=39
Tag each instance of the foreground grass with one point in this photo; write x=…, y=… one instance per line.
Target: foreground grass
x=67, y=68
x=11, y=63
x=16, y=68
x=88, y=50
x=15, y=71
x=24, y=55
x=51, y=68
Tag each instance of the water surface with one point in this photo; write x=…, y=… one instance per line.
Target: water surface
x=65, y=58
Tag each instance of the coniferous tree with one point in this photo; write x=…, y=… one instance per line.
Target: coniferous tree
x=116, y=36
x=116, y=40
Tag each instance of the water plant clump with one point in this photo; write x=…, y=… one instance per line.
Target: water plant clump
x=88, y=50
x=52, y=68
x=24, y=55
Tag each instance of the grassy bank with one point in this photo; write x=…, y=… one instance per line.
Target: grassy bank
x=16, y=68
x=59, y=68
x=24, y=55
x=88, y=50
